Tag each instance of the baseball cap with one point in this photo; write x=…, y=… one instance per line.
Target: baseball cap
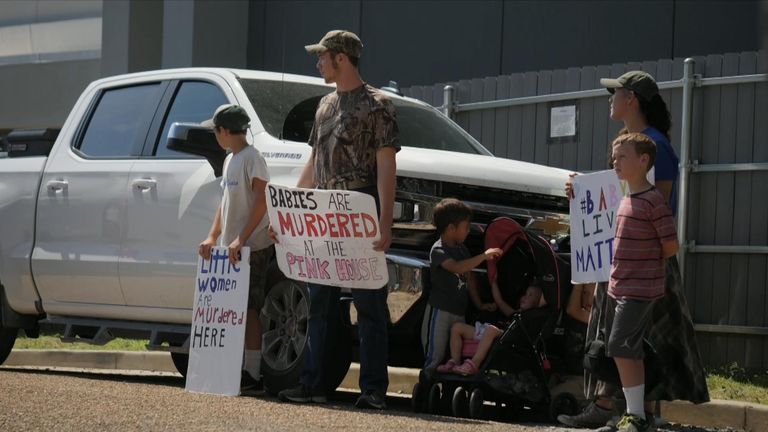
x=637, y=81
x=341, y=41
x=229, y=116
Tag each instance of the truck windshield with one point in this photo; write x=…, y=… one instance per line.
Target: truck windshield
x=287, y=111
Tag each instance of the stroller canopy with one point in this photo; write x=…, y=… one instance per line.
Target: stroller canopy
x=526, y=255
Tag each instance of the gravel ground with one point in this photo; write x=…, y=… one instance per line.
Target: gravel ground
x=88, y=401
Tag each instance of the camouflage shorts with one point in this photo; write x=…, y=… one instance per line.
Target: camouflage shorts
x=257, y=289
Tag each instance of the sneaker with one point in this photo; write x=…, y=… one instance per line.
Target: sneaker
x=467, y=368
x=612, y=425
x=633, y=423
x=371, y=400
x=301, y=394
x=593, y=416
x=250, y=386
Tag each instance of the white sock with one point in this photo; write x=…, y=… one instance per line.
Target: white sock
x=253, y=363
x=635, y=397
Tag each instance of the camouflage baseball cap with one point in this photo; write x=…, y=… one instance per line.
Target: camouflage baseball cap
x=639, y=82
x=229, y=116
x=341, y=41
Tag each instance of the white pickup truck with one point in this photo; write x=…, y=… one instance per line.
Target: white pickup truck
x=99, y=224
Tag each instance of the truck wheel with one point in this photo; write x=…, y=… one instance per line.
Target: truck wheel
x=284, y=341
x=181, y=361
x=7, y=339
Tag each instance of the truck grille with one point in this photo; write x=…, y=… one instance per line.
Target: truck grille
x=416, y=199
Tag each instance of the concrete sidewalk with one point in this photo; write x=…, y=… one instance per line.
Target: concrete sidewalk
x=718, y=413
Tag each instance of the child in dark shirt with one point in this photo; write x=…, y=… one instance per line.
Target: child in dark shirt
x=452, y=284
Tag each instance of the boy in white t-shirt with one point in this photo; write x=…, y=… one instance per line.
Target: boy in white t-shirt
x=241, y=221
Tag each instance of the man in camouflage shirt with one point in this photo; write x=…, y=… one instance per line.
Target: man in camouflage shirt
x=354, y=141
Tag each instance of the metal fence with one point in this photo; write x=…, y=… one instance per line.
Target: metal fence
x=719, y=107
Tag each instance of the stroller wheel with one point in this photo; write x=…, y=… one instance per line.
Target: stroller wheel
x=459, y=402
x=476, y=404
x=564, y=403
x=433, y=399
x=417, y=398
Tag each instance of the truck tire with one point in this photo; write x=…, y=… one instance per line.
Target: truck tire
x=284, y=334
x=7, y=339
x=284, y=324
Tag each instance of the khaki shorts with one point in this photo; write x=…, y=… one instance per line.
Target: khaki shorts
x=257, y=288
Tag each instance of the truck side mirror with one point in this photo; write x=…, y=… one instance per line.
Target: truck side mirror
x=197, y=140
x=30, y=142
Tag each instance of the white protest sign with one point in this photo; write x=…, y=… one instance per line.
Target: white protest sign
x=218, y=324
x=593, y=225
x=326, y=236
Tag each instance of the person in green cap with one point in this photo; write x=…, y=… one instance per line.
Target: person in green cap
x=635, y=101
x=354, y=140
x=240, y=221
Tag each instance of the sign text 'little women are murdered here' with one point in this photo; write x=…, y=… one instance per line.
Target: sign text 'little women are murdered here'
x=218, y=323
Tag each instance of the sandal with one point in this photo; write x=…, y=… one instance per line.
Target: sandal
x=447, y=367
x=467, y=368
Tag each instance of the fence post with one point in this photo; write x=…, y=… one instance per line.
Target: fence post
x=689, y=81
x=448, y=102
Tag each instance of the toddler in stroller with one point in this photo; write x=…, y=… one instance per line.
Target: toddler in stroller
x=520, y=362
x=475, y=340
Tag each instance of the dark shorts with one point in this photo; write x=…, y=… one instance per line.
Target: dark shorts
x=631, y=324
x=257, y=288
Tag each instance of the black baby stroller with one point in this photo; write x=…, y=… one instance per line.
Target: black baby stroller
x=526, y=367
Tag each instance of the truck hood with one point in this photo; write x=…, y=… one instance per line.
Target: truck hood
x=480, y=170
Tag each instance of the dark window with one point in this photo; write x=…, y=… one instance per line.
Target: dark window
x=425, y=128
x=120, y=121
x=194, y=102
x=287, y=111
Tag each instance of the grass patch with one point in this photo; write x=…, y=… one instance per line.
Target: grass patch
x=736, y=383
x=53, y=342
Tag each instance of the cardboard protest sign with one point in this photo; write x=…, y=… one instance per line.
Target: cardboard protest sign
x=593, y=225
x=326, y=236
x=218, y=324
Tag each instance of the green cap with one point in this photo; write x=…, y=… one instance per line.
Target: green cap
x=340, y=41
x=229, y=116
x=639, y=82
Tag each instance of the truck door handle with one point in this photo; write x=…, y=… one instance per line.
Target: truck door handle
x=57, y=185
x=144, y=184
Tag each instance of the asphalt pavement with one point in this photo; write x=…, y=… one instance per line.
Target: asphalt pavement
x=89, y=400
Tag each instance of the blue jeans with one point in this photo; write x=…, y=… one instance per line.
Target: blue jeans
x=372, y=317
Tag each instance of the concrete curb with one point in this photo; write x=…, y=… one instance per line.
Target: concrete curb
x=718, y=413
x=145, y=361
